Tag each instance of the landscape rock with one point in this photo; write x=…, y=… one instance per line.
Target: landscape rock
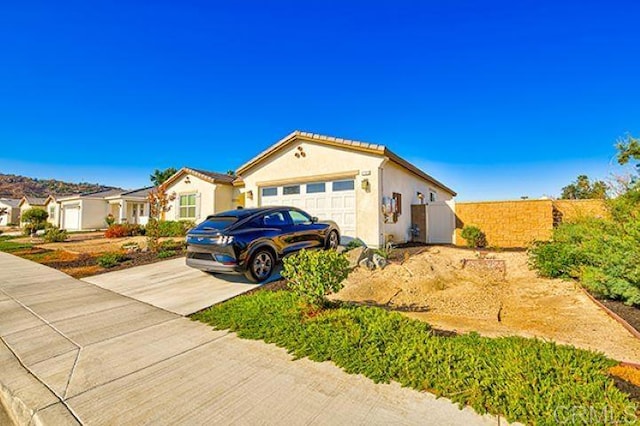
x=356, y=255
x=367, y=263
x=379, y=261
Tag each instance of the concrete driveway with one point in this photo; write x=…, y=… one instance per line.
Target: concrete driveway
x=73, y=353
x=173, y=286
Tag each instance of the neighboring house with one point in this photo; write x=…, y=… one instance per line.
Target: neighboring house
x=28, y=202
x=52, y=207
x=367, y=189
x=87, y=211
x=11, y=211
x=198, y=193
x=130, y=206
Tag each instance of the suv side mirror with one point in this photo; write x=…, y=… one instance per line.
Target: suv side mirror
x=314, y=219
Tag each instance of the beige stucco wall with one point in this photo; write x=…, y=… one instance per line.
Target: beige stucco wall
x=211, y=198
x=224, y=198
x=55, y=219
x=400, y=180
x=93, y=213
x=323, y=162
x=12, y=216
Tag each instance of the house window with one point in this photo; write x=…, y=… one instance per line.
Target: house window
x=270, y=192
x=343, y=185
x=52, y=212
x=291, y=190
x=433, y=196
x=187, y=206
x=314, y=188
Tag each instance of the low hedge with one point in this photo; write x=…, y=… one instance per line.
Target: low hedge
x=525, y=380
x=171, y=228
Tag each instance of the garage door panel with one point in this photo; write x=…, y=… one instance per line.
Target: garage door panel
x=339, y=206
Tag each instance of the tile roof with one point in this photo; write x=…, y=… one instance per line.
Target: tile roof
x=34, y=201
x=11, y=202
x=346, y=143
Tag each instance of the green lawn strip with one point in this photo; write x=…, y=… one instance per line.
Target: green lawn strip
x=525, y=380
x=9, y=246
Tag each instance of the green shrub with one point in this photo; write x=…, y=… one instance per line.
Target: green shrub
x=354, y=244
x=474, y=236
x=55, y=235
x=525, y=380
x=164, y=254
x=313, y=274
x=602, y=253
x=109, y=260
x=171, y=228
x=171, y=245
x=34, y=220
x=385, y=251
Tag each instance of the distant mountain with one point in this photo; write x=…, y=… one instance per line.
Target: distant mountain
x=14, y=186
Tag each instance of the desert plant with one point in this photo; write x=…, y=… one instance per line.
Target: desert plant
x=159, y=204
x=386, y=250
x=55, y=235
x=474, y=236
x=35, y=219
x=123, y=230
x=109, y=260
x=171, y=245
x=315, y=274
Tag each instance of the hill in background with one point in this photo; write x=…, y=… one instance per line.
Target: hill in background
x=15, y=186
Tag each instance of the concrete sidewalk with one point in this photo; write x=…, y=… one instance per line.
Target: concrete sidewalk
x=71, y=352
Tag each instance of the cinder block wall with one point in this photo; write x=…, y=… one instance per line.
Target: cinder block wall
x=512, y=224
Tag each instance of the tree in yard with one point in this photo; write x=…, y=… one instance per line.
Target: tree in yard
x=34, y=219
x=160, y=176
x=159, y=204
x=583, y=188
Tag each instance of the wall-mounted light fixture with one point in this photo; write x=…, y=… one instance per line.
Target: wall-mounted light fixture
x=250, y=194
x=365, y=185
x=300, y=152
x=420, y=196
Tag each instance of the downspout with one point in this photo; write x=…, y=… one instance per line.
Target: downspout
x=381, y=224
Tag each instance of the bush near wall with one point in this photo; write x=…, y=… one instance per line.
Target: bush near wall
x=602, y=253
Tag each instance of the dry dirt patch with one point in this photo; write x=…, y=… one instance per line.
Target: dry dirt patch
x=436, y=288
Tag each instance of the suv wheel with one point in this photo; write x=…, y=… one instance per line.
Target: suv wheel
x=333, y=240
x=261, y=266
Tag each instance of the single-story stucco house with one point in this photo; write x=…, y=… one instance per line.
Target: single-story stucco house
x=130, y=206
x=28, y=202
x=85, y=211
x=198, y=193
x=9, y=211
x=52, y=207
x=370, y=192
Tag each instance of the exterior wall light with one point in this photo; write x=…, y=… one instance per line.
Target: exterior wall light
x=250, y=194
x=365, y=185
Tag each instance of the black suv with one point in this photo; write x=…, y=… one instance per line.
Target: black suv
x=251, y=241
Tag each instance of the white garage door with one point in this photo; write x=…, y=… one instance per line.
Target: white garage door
x=72, y=217
x=334, y=200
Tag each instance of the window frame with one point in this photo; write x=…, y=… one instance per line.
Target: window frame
x=187, y=207
x=324, y=187
x=308, y=220
x=351, y=181
x=285, y=187
x=263, y=189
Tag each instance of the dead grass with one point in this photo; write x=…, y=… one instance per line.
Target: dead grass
x=435, y=286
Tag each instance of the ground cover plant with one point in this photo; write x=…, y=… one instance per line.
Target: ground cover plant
x=525, y=380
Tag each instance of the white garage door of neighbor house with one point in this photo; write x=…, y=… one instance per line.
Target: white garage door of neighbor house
x=72, y=217
x=334, y=200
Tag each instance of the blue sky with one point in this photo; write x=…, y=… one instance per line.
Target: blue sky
x=497, y=99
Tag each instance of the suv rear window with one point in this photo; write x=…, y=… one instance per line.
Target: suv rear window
x=217, y=223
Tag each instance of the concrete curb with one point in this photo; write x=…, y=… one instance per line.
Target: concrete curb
x=635, y=333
